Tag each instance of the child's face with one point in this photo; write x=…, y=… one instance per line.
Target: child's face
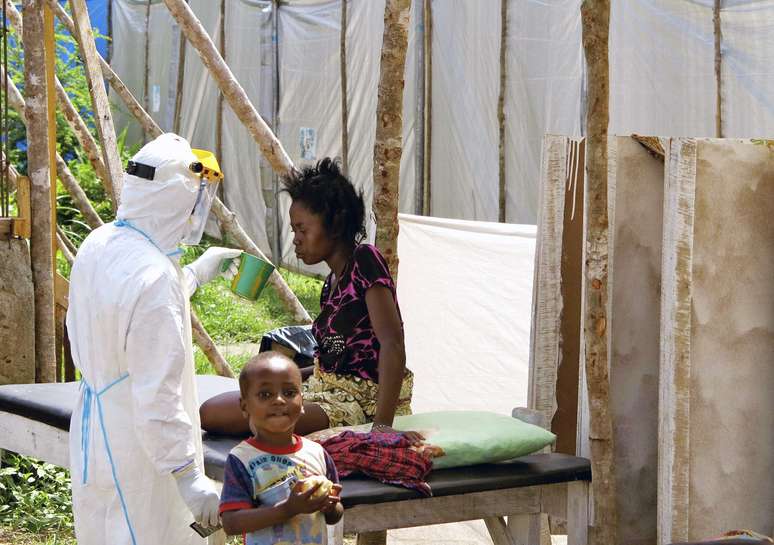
x=272, y=399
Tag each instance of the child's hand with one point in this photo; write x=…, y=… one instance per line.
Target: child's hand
x=302, y=502
x=332, y=499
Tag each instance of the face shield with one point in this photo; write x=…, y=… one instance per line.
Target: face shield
x=210, y=176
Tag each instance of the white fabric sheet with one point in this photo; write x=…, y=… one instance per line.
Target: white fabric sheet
x=544, y=76
x=466, y=75
x=465, y=294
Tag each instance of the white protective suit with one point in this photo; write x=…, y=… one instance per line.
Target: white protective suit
x=130, y=333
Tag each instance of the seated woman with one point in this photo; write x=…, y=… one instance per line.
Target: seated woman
x=360, y=370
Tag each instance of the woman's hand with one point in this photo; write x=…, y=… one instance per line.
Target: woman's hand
x=414, y=437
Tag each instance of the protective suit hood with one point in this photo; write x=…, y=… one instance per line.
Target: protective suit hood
x=162, y=207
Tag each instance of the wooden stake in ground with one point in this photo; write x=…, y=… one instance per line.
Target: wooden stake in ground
x=102, y=116
x=501, y=106
x=596, y=24
x=36, y=119
x=388, y=145
x=343, y=78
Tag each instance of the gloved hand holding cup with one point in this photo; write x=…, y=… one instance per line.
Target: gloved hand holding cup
x=209, y=265
x=251, y=276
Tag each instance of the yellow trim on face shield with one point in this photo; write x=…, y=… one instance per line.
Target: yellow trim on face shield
x=207, y=166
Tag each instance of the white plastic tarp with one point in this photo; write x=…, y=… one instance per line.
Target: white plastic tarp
x=465, y=294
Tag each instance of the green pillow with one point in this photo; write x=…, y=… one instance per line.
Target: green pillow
x=468, y=437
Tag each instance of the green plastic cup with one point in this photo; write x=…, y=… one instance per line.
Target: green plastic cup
x=252, y=277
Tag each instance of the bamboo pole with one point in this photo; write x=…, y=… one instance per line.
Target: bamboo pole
x=343, y=78
x=65, y=244
x=38, y=166
x=389, y=128
x=419, y=112
x=74, y=120
x=103, y=118
x=49, y=46
x=428, y=114
x=595, y=16
x=501, y=107
x=718, y=32
x=179, y=82
x=147, y=123
x=202, y=338
x=146, y=58
x=232, y=91
x=219, y=108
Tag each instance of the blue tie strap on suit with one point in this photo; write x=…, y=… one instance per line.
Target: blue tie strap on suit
x=92, y=397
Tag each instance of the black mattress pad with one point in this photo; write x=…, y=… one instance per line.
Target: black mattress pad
x=53, y=404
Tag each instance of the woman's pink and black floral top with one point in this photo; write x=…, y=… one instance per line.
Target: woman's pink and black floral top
x=346, y=343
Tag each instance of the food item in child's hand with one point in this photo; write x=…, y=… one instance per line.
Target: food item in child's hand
x=310, y=482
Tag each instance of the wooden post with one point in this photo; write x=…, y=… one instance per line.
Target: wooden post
x=718, y=32
x=207, y=345
x=38, y=167
x=146, y=59
x=427, y=120
x=232, y=91
x=102, y=116
x=419, y=111
x=389, y=127
x=179, y=82
x=501, y=106
x=219, y=110
x=343, y=72
x=596, y=24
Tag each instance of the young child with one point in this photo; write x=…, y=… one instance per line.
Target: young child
x=263, y=487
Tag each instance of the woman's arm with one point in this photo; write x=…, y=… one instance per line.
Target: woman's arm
x=383, y=313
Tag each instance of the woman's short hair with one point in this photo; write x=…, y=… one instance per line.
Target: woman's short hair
x=324, y=190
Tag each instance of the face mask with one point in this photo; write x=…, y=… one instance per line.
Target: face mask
x=208, y=190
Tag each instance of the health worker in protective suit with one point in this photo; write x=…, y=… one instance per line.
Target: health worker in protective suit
x=135, y=440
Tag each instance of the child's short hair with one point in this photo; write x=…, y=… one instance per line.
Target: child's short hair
x=256, y=362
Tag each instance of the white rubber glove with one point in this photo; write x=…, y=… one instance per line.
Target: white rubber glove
x=207, y=267
x=199, y=495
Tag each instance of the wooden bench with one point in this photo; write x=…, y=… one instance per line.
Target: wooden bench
x=35, y=419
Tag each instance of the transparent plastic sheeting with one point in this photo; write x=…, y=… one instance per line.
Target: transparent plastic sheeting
x=662, y=82
x=465, y=294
